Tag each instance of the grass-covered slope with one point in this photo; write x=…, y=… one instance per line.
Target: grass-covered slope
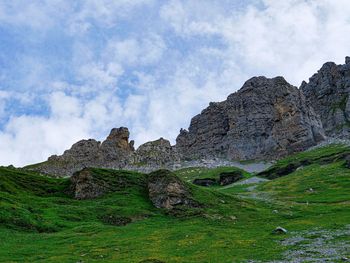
x=41, y=222
x=189, y=174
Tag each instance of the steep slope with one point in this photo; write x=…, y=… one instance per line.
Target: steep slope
x=41, y=222
x=328, y=93
x=265, y=119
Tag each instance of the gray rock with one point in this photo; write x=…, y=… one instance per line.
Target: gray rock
x=328, y=93
x=85, y=186
x=265, y=119
x=167, y=191
x=115, y=152
x=157, y=153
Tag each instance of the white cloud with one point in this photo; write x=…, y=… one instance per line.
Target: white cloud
x=135, y=52
x=103, y=12
x=173, y=61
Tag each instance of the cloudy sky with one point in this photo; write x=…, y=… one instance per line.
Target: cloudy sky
x=75, y=69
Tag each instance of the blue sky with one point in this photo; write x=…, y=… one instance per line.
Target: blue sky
x=71, y=70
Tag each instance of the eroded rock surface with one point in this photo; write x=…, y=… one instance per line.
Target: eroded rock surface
x=265, y=119
x=167, y=191
x=85, y=186
x=115, y=152
x=328, y=93
x=157, y=153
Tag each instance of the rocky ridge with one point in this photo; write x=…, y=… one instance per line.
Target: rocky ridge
x=328, y=93
x=265, y=120
x=116, y=152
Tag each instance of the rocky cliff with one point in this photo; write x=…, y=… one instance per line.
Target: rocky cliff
x=328, y=93
x=265, y=119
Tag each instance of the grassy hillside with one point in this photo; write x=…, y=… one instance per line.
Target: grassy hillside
x=41, y=222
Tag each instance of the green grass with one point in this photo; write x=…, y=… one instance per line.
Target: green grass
x=189, y=174
x=41, y=222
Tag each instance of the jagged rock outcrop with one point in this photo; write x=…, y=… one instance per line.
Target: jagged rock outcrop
x=328, y=93
x=265, y=119
x=156, y=153
x=167, y=191
x=115, y=152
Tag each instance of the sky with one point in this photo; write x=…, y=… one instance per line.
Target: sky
x=72, y=70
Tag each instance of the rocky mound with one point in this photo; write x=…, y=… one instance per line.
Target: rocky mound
x=265, y=119
x=90, y=183
x=85, y=186
x=157, y=153
x=328, y=93
x=167, y=191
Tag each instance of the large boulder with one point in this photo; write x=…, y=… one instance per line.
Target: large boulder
x=265, y=119
x=167, y=191
x=328, y=93
x=85, y=186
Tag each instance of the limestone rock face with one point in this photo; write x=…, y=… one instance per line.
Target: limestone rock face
x=328, y=93
x=265, y=119
x=156, y=153
x=168, y=191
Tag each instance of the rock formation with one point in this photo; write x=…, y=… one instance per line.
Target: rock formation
x=85, y=186
x=328, y=93
x=265, y=119
x=156, y=153
x=115, y=152
x=167, y=191
x=91, y=183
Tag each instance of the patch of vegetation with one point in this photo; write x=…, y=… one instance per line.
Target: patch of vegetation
x=189, y=174
x=40, y=222
x=321, y=156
